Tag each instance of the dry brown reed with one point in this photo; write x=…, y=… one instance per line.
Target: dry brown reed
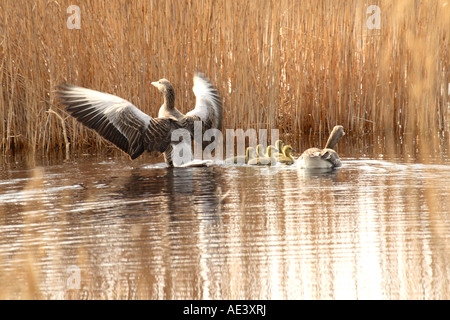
x=300, y=66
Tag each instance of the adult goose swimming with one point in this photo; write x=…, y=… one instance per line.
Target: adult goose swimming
x=131, y=130
x=315, y=158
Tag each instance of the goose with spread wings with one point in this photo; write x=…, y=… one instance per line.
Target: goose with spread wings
x=131, y=130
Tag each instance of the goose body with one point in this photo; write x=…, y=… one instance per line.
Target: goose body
x=315, y=158
x=131, y=130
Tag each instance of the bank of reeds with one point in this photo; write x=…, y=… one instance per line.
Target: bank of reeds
x=300, y=66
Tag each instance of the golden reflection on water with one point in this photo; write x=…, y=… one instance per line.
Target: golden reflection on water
x=101, y=229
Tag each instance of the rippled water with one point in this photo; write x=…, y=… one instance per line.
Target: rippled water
x=109, y=228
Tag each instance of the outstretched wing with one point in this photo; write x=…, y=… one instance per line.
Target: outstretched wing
x=116, y=119
x=208, y=105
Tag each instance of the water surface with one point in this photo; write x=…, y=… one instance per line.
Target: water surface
x=109, y=228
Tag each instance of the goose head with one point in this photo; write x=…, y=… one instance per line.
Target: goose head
x=164, y=86
x=287, y=150
x=336, y=134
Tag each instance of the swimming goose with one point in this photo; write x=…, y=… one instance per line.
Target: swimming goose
x=250, y=153
x=131, y=130
x=261, y=158
x=286, y=157
x=323, y=158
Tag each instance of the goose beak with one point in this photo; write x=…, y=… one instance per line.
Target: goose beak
x=155, y=84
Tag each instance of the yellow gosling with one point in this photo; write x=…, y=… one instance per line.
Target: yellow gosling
x=286, y=157
x=263, y=159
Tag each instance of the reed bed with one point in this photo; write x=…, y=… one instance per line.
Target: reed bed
x=299, y=66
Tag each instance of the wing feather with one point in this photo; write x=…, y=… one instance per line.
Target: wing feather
x=208, y=105
x=331, y=156
x=116, y=119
